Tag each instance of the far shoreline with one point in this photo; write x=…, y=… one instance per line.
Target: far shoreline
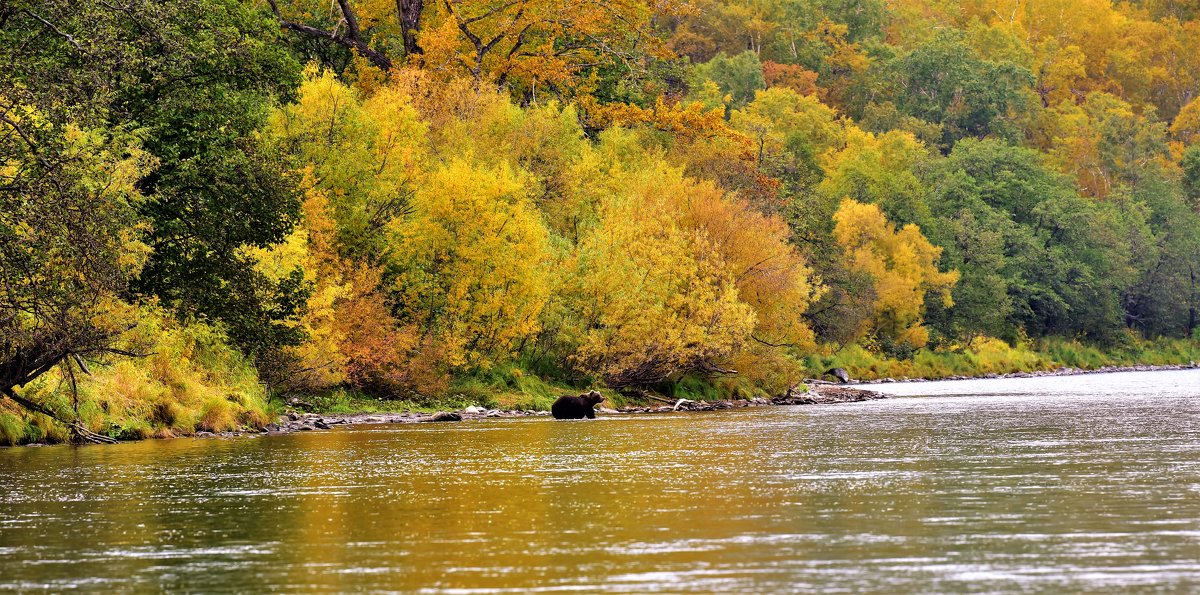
x=1061, y=371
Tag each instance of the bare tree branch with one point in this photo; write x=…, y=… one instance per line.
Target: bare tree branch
x=67, y=36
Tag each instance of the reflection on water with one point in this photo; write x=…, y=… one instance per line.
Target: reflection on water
x=1059, y=484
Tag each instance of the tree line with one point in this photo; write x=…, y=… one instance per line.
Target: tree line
x=205, y=202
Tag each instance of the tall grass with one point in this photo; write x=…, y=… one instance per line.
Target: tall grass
x=189, y=381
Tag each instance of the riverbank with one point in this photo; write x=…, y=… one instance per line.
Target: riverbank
x=1063, y=371
x=818, y=393
x=993, y=358
x=211, y=392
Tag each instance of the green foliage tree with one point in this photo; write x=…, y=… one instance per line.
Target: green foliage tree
x=944, y=81
x=1028, y=246
x=737, y=76
x=194, y=79
x=1191, y=176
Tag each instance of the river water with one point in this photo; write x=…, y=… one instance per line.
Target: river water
x=1083, y=483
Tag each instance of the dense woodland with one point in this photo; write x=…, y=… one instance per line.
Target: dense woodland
x=208, y=203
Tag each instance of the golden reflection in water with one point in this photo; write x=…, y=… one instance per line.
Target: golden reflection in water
x=943, y=494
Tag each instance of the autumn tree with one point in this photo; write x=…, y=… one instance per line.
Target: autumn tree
x=881, y=169
x=364, y=153
x=472, y=263
x=645, y=296
x=790, y=132
x=70, y=243
x=533, y=45
x=1106, y=142
x=903, y=267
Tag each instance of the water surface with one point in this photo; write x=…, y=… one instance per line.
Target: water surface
x=1084, y=483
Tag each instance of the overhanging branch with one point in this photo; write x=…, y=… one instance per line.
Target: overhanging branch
x=352, y=41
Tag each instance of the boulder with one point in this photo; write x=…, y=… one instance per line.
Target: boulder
x=839, y=373
x=445, y=416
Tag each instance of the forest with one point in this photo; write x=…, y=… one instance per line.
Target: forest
x=210, y=207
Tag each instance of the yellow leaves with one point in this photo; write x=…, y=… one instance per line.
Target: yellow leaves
x=779, y=114
x=893, y=150
x=528, y=43
x=1186, y=127
x=363, y=153
x=654, y=273
x=1061, y=73
x=333, y=129
x=473, y=255
x=878, y=169
x=1087, y=46
x=648, y=294
x=902, y=264
x=674, y=275
x=770, y=275
x=1103, y=142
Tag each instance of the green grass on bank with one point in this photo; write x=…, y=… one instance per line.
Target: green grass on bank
x=519, y=386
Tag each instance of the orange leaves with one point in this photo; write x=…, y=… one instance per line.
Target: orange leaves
x=380, y=353
x=791, y=76
x=692, y=119
x=770, y=274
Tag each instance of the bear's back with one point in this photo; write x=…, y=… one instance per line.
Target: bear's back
x=568, y=407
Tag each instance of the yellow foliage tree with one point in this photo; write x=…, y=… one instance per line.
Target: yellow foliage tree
x=880, y=169
x=1186, y=127
x=351, y=335
x=364, y=154
x=779, y=115
x=472, y=259
x=770, y=275
x=902, y=265
x=645, y=295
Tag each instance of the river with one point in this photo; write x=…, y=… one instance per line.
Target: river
x=1061, y=484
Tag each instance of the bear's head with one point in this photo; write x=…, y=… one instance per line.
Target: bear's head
x=593, y=397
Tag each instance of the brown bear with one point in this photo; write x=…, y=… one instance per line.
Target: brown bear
x=567, y=407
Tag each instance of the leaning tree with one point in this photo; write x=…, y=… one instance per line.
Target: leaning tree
x=69, y=244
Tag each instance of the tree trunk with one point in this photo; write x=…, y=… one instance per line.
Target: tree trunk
x=408, y=12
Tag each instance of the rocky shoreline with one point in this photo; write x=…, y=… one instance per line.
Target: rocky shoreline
x=1063, y=371
x=819, y=393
